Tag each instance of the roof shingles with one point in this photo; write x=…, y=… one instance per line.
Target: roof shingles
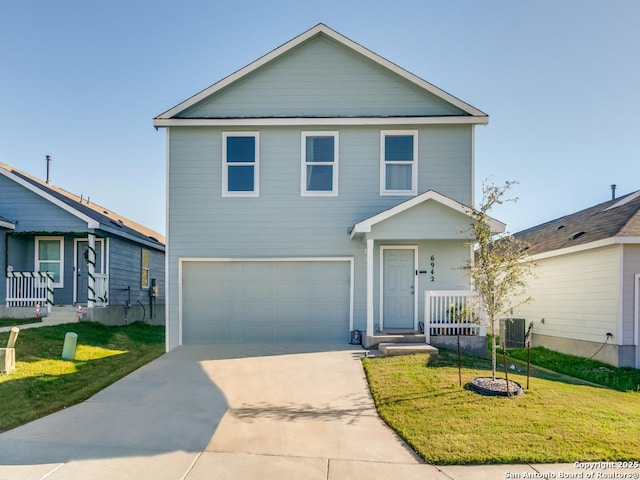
x=616, y=218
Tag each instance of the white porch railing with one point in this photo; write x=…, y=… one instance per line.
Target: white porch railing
x=25, y=289
x=101, y=286
x=452, y=312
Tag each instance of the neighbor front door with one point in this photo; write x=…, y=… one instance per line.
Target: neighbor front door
x=398, y=288
x=82, y=278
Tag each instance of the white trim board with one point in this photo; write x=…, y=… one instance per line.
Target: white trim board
x=318, y=121
x=366, y=225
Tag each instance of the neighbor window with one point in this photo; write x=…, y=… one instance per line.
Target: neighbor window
x=398, y=162
x=319, y=163
x=50, y=258
x=240, y=164
x=144, y=269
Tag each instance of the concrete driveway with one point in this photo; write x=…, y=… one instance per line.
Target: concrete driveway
x=295, y=411
x=229, y=412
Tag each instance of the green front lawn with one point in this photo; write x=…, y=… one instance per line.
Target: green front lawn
x=558, y=419
x=44, y=383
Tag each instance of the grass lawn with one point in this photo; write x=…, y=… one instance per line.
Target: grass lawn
x=558, y=419
x=44, y=383
x=623, y=379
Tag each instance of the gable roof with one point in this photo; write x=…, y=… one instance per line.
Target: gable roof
x=96, y=216
x=470, y=113
x=366, y=225
x=615, y=219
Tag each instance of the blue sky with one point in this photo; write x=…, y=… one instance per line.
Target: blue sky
x=81, y=81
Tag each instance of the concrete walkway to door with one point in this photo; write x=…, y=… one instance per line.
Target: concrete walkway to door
x=230, y=412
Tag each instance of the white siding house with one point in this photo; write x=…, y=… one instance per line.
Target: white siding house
x=319, y=190
x=587, y=282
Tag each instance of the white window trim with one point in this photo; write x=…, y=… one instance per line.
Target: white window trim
x=303, y=168
x=147, y=269
x=413, y=163
x=36, y=258
x=255, y=165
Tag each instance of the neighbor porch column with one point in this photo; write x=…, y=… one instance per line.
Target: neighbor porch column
x=369, y=287
x=91, y=271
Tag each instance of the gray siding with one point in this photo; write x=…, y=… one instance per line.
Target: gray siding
x=321, y=78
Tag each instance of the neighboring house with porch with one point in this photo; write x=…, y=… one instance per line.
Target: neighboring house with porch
x=586, y=289
x=317, y=191
x=59, y=249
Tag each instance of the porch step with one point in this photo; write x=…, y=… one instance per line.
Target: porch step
x=406, y=348
x=394, y=338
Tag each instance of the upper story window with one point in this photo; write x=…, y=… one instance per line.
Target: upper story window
x=240, y=159
x=50, y=258
x=398, y=162
x=319, y=164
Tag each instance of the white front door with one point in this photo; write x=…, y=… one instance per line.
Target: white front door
x=398, y=295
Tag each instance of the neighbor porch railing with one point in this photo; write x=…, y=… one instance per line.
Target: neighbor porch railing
x=101, y=285
x=452, y=312
x=26, y=289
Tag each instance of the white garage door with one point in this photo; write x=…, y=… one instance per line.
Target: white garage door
x=265, y=301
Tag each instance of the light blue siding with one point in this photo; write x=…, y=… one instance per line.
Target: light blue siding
x=321, y=78
x=282, y=223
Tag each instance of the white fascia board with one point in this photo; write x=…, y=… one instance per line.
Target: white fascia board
x=366, y=225
x=318, y=29
x=319, y=121
x=265, y=259
x=91, y=223
x=586, y=246
x=9, y=225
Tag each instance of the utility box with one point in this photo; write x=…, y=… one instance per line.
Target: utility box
x=512, y=332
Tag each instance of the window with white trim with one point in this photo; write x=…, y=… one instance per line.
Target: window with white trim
x=49, y=257
x=144, y=269
x=240, y=160
x=319, y=164
x=398, y=162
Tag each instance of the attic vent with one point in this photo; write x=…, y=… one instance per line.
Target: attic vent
x=559, y=227
x=154, y=239
x=116, y=224
x=577, y=235
x=105, y=212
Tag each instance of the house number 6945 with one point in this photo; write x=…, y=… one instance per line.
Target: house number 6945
x=433, y=268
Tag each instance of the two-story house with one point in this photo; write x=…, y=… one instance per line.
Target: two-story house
x=319, y=190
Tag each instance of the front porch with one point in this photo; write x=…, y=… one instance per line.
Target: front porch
x=36, y=290
x=449, y=317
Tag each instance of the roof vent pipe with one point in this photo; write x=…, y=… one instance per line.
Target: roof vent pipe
x=48, y=158
x=613, y=191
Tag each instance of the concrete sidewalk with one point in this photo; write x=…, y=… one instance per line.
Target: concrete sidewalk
x=232, y=412
x=44, y=323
